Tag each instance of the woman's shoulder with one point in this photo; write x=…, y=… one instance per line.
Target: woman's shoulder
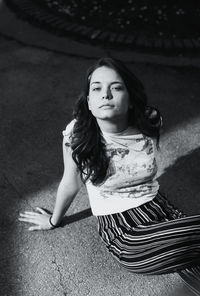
x=69, y=128
x=68, y=131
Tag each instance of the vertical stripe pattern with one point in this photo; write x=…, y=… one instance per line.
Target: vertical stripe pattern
x=154, y=238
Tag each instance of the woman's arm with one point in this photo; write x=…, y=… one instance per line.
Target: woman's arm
x=67, y=190
x=68, y=187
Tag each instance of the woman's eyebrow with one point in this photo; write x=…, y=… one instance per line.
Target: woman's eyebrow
x=114, y=82
x=95, y=82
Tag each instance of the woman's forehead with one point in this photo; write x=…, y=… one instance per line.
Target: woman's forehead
x=105, y=74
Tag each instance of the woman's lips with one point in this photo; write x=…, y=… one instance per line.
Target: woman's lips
x=106, y=106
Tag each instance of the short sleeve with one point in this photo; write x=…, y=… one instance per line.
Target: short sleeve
x=68, y=132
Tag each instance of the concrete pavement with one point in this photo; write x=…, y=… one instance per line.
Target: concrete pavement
x=40, y=77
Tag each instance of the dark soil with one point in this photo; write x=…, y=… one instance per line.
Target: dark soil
x=164, y=18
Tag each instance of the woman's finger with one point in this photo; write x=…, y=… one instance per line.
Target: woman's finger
x=32, y=228
x=41, y=210
x=29, y=220
x=29, y=214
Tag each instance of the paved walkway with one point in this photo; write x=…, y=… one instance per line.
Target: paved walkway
x=41, y=76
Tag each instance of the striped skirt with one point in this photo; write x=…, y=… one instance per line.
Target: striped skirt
x=154, y=238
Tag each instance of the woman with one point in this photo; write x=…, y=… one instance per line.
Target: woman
x=110, y=146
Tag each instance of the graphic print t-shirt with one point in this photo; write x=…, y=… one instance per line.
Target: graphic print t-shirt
x=131, y=180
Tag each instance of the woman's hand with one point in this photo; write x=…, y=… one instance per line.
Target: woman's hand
x=41, y=219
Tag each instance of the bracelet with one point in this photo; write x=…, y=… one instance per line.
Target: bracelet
x=52, y=225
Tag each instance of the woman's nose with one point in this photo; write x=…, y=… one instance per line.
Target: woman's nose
x=107, y=94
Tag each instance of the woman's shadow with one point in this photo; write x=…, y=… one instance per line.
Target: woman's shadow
x=180, y=183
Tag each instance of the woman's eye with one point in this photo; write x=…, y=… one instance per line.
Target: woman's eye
x=117, y=88
x=96, y=88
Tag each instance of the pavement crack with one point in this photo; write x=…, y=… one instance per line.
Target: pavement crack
x=57, y=268
x=61, y=287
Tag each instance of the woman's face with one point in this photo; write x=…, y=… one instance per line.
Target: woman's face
x=108, y=97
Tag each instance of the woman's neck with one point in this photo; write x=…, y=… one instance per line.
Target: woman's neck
x=111, y=126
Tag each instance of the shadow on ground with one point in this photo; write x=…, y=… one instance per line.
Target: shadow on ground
x=180, y=183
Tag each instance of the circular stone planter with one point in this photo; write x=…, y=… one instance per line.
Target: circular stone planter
x=161, y=27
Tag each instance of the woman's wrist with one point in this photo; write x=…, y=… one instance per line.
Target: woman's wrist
x=52, y=224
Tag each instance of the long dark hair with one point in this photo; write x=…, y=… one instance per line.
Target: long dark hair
x=88, y=145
